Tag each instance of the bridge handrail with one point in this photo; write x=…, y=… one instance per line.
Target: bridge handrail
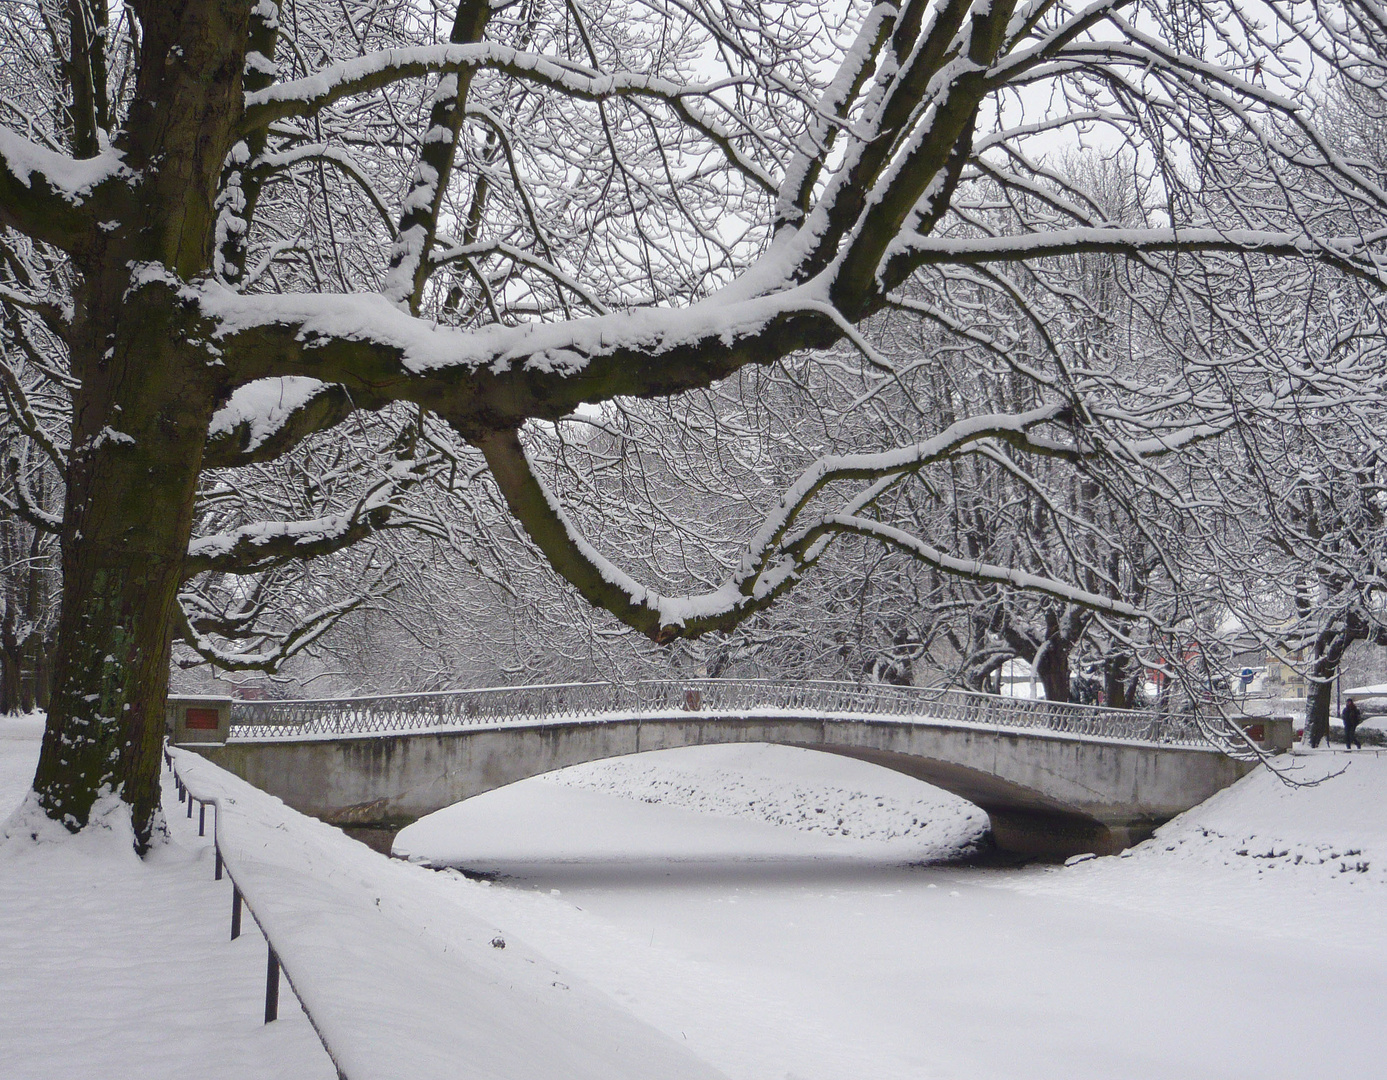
x=387, y=713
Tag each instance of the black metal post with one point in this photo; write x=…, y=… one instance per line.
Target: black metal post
x=190, y=804
x=201, y=819
x=271, y=986
x=217, y=876
x=235, y=912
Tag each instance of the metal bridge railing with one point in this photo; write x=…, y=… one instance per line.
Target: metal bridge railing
x=497, y=706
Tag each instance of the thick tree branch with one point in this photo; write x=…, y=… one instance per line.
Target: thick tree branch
x=364, y=74
x=501, y=376
x=417, y=232
x=602, y=583
x=46, y=195
x=774, y=559
x=246, y=431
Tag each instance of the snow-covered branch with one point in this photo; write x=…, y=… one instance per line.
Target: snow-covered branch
x=970, y=568
x=264, y=545
x=47, y=195
x=265, y=420
x=1354, y=252
x=364, y=74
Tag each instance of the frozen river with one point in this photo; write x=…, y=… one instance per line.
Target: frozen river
x=780, y=952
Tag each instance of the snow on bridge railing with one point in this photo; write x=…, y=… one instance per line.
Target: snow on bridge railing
x=493, y=706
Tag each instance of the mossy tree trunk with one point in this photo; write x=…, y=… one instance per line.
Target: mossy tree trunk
x=141, y=421
x=146, y=390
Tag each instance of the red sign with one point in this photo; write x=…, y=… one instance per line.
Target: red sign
x=200, y=719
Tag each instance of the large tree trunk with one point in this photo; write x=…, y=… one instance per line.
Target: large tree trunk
x=1052, y=666
x=1329, y=650
x=1318, y=699
x=11, y=690
x=43, y=672
x=1121, y=675
x=146, y=390
x=139, y=427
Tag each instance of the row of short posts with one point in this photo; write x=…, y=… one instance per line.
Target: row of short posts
x=272, y=960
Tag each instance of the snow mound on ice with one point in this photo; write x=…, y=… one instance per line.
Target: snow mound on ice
x=750, y=782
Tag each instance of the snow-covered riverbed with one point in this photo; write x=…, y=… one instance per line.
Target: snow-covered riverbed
x=767, y=909
x=782, y=953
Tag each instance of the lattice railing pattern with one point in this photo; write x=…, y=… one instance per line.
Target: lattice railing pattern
x=496, y=706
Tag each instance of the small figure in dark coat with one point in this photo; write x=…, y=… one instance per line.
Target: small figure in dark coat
x=1352, y=718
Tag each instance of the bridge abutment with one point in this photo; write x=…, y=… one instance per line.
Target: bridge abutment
x=1058, y=836
x=379, y=838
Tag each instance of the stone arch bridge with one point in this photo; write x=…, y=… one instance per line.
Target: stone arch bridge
x=1054, y=779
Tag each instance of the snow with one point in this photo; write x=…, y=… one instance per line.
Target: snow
x=116, y=968
x=399, y=977
x=1313, y=843
x=697, y=905
x=73, y=178
x=363, y=936
x=787, y=952
x=564, y=348
x=263, y=406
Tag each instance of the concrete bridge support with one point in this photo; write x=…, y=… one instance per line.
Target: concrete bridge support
x=1047, y=794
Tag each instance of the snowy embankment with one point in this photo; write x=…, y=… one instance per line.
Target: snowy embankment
x=400, y=979
x=119, y=968
x=1301, y=853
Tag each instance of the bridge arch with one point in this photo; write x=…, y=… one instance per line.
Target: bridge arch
x=1048, y=792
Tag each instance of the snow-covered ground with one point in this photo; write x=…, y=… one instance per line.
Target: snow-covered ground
x=766, y=908
x=778, y=952
x=119, y=968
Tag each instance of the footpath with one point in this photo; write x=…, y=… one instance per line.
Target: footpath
x=394, y=975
